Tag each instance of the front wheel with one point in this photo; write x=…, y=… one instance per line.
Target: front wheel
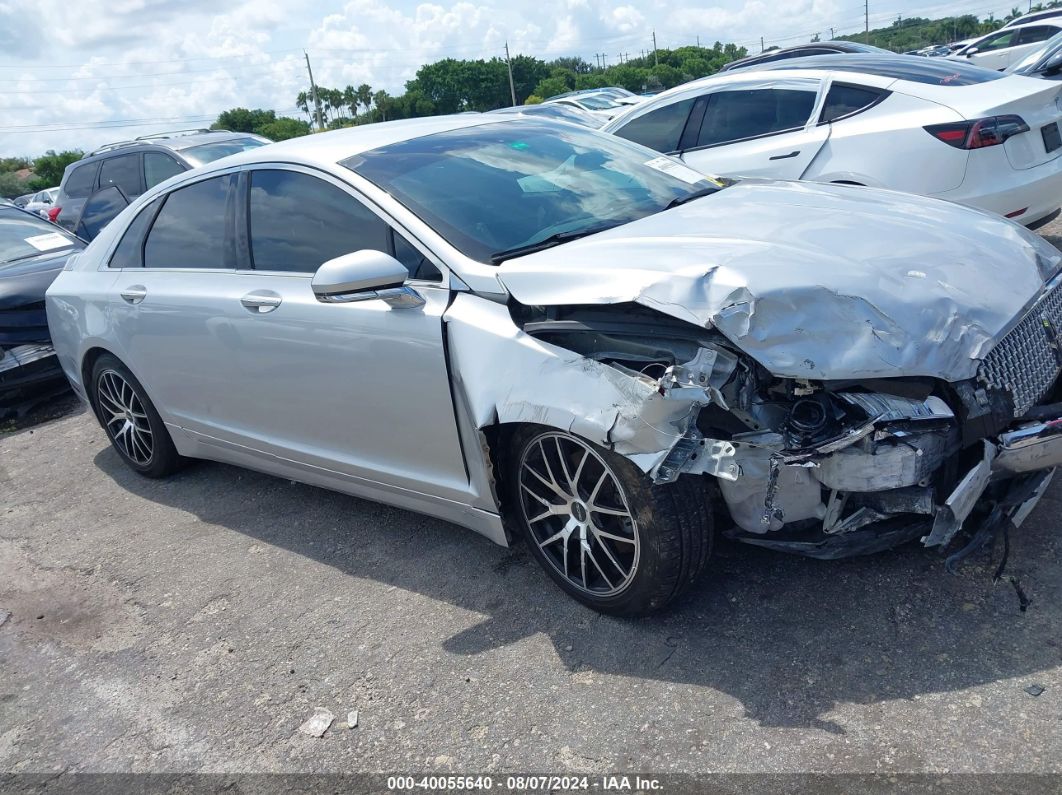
x=602, y=530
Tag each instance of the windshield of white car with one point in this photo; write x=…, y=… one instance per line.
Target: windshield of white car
x=22, y=236
x=1036, y=61
x=597, y=102
x=207, y=153
x=504, y=187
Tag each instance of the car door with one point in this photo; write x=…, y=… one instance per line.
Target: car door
x=249, y=357
x=997, y=50
x=756, y=130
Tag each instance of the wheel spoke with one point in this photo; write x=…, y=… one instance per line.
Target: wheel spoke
x=595, y=508
x=549, y=484
x=614, y=537
x=541, y=499
x=590, y=554
x=553, y=484
x=573, y=491
x=582, y=562
x=552, y=510
x=608, y=553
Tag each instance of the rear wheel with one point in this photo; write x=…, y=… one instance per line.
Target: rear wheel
x=602, y=530
x=132, y=424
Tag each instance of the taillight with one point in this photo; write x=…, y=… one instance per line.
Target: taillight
x=979, y=133
x=53, y=213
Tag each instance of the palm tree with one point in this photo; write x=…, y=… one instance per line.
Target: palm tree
x=302, y=102
x=350, y=99
x=364, y=95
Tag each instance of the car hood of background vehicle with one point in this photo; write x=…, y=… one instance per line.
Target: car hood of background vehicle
x=22, y=285
x=813, y=281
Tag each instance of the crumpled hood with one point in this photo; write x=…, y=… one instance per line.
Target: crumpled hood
x=813, y=281
x=22, y=287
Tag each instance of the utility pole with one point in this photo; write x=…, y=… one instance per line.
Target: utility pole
x=509, y=63
x=761, y=43
x=698, y=41
x=831, y=34
x=313, y=89
x=656, y=58
x=866, y=20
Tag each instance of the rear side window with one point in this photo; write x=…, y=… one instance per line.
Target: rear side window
x=123, y=172
x=1037, y=34
x=191, y=230
x=299, y=222
x=158, y=168
x=737, y=115
x=999, y=42
x=844, y=100
x=659, y=129
x=130, y=251
x=81, y=181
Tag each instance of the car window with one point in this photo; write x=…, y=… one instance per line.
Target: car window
x=495, y=190
x=1037, y=34
x=191, y=229
x=130, y=251
x=298, y=222
x=23, y=236
x=81, y=181
x=844, y=100
x=123, y=172
x=1000, y=41
x=659, y=129
x=737, y=115
x=419, y=266
x=158, y=168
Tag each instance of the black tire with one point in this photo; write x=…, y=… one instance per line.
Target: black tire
x=160, y=457
x=672, y=524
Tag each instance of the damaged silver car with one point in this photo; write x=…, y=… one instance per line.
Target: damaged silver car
x=539, y=331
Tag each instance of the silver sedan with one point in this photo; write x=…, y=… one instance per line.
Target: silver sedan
x=542, y=332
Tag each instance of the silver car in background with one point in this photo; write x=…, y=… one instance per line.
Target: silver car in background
x=534, y=329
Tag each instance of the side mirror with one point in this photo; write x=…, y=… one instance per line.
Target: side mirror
x=1053, y=65
x=364, y=276
x=971, y=51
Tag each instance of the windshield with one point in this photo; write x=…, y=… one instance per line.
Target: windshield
x=498, y=187
x=23, y=236
x=207, y=153
x=597, y=102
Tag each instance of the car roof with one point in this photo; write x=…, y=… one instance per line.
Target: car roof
x=329, y=148
x=173, y=142
x=910, y=68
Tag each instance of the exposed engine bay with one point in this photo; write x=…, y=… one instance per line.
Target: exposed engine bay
x=826, y=469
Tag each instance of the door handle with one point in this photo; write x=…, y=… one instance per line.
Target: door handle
x=134, y=294
x=261, y=301
x=785, y=157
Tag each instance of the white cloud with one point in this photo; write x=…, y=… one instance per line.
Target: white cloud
x=66, y=64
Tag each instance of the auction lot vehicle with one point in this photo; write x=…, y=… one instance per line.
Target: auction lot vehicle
x=140, y=164
x=524, y=325
x=803, y=51
x=32, y=253
x=1008, y=45
x=919, y=125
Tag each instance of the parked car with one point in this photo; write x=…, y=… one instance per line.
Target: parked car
x=804, y=51
x=1045, y=62
x=41, y=202
x=1006, y=46
x=929, y=126
x=602, y=104
x=935, y=51
x=587, y=338
x=555, y=110
x=137, y=165
x=1035, y=16
x=32, y=253
x=23, y=200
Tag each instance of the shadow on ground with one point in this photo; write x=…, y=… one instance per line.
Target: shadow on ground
x=790, y=637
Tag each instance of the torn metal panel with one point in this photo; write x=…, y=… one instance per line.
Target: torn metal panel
x=881, y=465
x=1033, y=447
x=510, y=376
x=952, y=514
x=772, y=275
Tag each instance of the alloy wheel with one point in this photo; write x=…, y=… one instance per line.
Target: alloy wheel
x=578, y=515
x=124, y=417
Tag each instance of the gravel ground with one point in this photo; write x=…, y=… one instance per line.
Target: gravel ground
x=194, y=624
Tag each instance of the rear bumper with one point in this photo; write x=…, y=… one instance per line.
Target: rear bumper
x=992, y=184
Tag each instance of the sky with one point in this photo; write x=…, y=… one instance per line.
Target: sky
x=81, y=73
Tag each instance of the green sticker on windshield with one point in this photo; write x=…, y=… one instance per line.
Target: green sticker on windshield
x=518, y=145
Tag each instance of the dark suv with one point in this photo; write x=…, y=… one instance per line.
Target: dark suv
x=134, y=166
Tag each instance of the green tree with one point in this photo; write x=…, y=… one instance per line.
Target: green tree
x=283, y=128
x=363, y=95
x=11, y=185
x=243, y=120
x=550, y=87
x=48, y=168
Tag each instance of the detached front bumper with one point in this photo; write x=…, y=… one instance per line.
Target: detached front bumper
x=27, y=367
x=1033, y=448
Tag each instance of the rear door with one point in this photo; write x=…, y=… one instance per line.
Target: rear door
x=78, y=185
x=998, y=50
x=763, y=129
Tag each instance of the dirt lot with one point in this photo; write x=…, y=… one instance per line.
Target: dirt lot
x=196, y=623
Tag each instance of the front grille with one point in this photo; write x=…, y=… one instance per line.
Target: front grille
x=1026, y=361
